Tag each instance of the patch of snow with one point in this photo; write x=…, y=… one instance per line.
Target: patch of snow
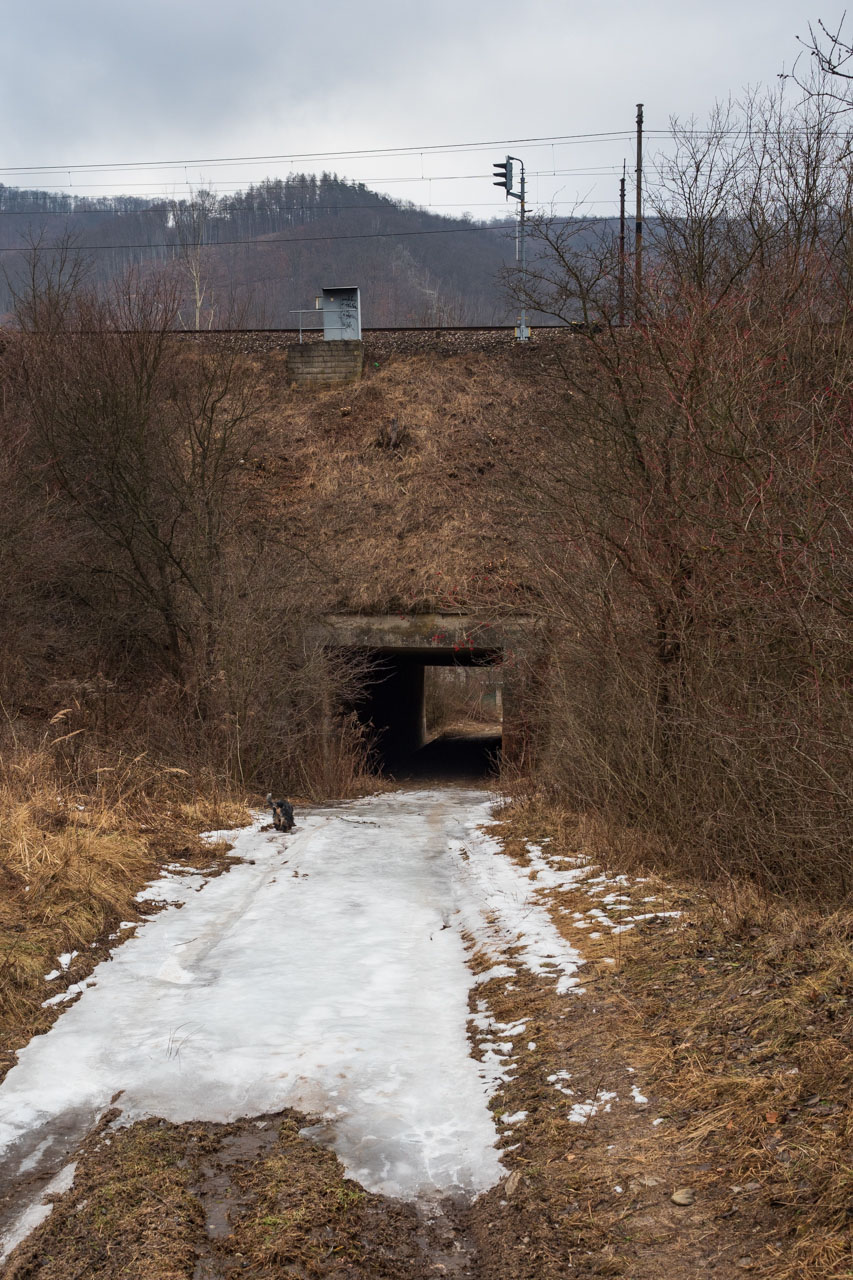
x=508, y=911
x=583, y=1111
x=556, y=1080
x=637, y=1096
x=659, y=915
x=64, y=961
x=655, y=1123
x=515, y=1118
x=69, y=994
x=496, y=971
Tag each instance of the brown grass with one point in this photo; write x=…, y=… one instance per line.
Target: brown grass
x=416, y=527
x=159, y=1201
x=74, y=851
x=741, y=1018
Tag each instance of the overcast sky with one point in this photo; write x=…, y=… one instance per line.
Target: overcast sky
x=110, y=82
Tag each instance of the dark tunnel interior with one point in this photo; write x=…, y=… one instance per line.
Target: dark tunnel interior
x=434, y=714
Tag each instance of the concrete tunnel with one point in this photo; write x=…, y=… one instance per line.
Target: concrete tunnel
x=398, y=651
x=395, y=708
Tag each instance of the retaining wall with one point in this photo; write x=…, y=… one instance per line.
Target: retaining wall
x=325, y=364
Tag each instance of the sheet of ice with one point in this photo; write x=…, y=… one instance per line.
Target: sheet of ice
x=329, y=974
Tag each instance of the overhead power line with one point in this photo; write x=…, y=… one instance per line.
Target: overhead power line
x=268, y=241
x=595, y=171
x=426, y=149
x=447, y=148
x=414, y=207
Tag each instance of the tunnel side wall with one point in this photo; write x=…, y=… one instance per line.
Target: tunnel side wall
x=396, y=707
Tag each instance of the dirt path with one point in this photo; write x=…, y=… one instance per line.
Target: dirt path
x=418, y=997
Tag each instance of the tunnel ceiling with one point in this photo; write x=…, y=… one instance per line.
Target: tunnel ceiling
x=435, y=655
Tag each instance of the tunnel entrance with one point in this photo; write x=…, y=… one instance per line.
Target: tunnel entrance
x=434, y=714
x=445, y=695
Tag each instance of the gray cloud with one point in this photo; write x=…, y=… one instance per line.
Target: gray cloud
x=108, y=81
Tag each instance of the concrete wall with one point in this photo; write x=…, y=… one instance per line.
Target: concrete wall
x=405, y=641
x=324, y=364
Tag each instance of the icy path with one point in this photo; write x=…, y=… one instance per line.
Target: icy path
x=321, y=977
x=327, y=973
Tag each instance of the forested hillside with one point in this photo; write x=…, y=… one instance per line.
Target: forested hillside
x=252, y=257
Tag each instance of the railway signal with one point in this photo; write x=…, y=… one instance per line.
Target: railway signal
x=503, y=177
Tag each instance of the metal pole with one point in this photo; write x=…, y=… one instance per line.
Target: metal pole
x=638, y=231
x=622, y=246
x=523, y=328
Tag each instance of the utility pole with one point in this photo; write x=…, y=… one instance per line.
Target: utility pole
x=622, y=247
x=503, y=178
x=638, y=230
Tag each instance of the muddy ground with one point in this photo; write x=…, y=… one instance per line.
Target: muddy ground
x=725, y=1093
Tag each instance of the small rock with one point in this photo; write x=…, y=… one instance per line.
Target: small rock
x=745, y=1264
x=512, y=1182
x=682, y=1196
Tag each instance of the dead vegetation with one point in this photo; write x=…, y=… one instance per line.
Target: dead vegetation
x=74, y=852
x=415, y=525
x=735, y=1020
x=170, y=1202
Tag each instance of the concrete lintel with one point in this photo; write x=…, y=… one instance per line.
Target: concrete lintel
x=426, y=631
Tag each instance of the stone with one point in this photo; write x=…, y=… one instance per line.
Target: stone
x=683, y=1196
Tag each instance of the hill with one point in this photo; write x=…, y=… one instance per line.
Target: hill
x=251, y=258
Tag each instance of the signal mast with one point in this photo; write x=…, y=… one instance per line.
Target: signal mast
x=503, y=176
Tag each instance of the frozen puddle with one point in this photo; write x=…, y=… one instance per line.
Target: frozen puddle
x=328, y=976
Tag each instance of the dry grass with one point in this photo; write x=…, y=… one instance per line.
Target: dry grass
x=159, y=1201
x=74, y=851
x=415, y=527
x=733, y=1019
x=742, y=1019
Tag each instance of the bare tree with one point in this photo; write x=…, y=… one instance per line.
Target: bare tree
x=143, y=440
x=191, y=221
x=685, y=517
